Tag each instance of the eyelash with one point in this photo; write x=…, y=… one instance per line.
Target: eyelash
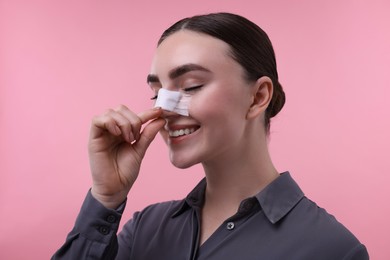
x=190, y=89
x=194, y=88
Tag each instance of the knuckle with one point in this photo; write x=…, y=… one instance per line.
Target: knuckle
x=96, y=118
x=137, y=121
x=108, y=111
x=121, y=108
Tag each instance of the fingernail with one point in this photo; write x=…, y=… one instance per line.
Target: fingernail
x=130, y=137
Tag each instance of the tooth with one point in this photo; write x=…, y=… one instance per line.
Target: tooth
x=181, y=132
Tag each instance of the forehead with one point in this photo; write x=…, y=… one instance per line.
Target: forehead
x=186, y=46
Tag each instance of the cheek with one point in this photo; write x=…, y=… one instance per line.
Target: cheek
x=222, y=100
x=208, y=100
x=202, y=107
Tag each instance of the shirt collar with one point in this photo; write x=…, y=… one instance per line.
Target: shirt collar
x=194, y=199
x=279, y=197
x=276, y=199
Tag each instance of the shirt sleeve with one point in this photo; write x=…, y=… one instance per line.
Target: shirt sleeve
x=94, y=233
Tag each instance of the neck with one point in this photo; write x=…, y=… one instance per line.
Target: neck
x=232, y=176
x=230, y=180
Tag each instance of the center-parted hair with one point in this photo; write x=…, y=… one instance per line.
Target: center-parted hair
x=250, y=47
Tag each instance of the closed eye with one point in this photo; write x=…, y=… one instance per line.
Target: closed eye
x=192, y=88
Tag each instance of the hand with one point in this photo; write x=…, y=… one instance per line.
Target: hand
x=116, y=149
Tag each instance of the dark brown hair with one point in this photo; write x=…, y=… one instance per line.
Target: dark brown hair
x=250, y=47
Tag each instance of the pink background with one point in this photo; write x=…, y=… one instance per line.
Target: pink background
x=61, y=62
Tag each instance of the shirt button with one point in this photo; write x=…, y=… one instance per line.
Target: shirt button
x=111, y=219
x=104, y=230
x=230, y=225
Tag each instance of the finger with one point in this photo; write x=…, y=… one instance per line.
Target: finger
x=138, y=120
x=150, y=114
x=115, y=123
x=102, y=124
x=122, y=121
x=135, y=121
x=147, y=136
x=124, y=124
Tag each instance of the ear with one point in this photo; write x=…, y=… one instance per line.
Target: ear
x=261, y=97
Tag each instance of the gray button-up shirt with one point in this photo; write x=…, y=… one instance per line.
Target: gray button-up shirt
x=278, y=223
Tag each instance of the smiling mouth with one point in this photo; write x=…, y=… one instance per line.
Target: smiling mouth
x=182, y=132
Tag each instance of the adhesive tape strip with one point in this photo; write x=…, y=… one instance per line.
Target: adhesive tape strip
x=172, y=101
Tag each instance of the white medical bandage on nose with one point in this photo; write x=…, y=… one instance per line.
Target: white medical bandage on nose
x=172, y=101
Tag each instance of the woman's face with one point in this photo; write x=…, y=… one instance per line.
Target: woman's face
x=200, y=66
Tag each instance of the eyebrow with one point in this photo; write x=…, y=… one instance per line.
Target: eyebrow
x=177, y=72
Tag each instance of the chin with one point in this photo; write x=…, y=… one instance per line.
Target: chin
x=182, y=163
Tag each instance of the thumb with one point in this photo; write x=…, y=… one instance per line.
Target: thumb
x=147, y=136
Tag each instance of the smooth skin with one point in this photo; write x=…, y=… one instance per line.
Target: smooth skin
x=227, y=112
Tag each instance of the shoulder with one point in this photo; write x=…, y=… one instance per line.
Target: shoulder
x=315, y=226
x=317, y=219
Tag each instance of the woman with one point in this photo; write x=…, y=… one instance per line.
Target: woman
x=243, y=209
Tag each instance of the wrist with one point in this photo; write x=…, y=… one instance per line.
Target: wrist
x=109, y=201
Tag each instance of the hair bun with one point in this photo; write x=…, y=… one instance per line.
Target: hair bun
x=278, y=100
